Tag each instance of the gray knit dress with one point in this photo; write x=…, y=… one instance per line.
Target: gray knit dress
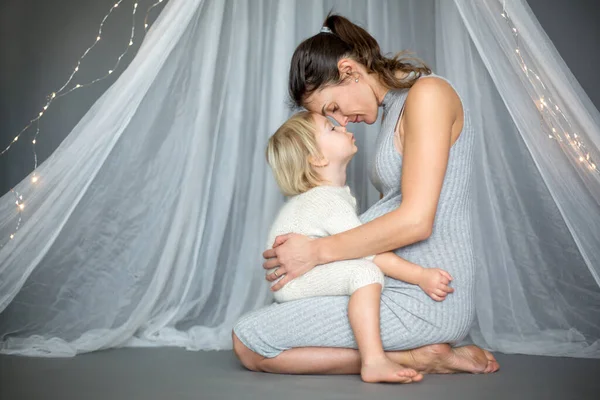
x=409, y=318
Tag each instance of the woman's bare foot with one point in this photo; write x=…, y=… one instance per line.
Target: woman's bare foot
x=443, y=359
x=385, y=370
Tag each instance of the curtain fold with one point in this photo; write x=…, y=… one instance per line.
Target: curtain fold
x=537, y=192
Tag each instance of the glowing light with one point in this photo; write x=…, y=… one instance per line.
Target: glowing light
x=551, y=115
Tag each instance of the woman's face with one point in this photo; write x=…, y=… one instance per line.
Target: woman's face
x=348, y=101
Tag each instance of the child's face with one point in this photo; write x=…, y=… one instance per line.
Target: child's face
x=336, y=144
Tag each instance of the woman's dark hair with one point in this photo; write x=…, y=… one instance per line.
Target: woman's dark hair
x=314, y=63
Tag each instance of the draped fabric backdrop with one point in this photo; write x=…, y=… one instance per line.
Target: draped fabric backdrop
x=147, y=224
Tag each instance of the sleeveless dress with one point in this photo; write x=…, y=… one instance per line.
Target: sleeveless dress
x=409, y=318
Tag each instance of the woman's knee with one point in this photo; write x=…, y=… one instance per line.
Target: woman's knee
x=247, y=357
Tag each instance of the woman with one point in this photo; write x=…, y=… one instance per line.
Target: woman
x=423, y=170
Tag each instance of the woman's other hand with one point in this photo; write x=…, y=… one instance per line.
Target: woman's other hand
x=293, y=255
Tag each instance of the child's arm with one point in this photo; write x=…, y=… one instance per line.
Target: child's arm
x=433, y=281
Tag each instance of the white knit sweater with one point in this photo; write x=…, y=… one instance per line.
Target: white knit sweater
x=320, y=212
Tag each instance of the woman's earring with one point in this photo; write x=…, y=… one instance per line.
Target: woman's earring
x=356, y=80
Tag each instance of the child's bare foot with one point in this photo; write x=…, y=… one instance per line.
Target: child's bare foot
x=385, y=370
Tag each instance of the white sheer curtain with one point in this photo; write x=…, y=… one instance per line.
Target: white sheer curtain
x=537, y=218
x=147, y=224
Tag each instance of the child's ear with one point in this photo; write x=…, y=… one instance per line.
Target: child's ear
x=318, y=162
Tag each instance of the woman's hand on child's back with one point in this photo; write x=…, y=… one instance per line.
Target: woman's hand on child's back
x=292, y=255
x=434, y=282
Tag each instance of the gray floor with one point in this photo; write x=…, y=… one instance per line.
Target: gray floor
x=168, y=373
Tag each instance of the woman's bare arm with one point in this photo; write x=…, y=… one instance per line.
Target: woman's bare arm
x=430, y=112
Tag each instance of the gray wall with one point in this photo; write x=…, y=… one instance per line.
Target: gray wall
x=40, y=42
x=574, y=28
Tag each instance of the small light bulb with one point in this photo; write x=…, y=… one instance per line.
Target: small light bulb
x=145, y=25
x=553, y=130
x=53, y=95
x=581, y=159
x=16, y=138
x=131, y=42
x=135, y=5
x=34, y=179
x=98, y=38
x=550, y=136
x=593, y=166
x=41, y=113
x=45, y=107
x=117, y=5
x=76, y=69
x=33, y=141
x=12, y=236
x=503, y=15
x=515, y=30
x=517, y=50
x=575, y=135
x=78, y=85
x=110, y=71
x=21, y=206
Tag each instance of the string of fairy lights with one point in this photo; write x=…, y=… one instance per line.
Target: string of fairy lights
x=548, y=108
x=66, y=89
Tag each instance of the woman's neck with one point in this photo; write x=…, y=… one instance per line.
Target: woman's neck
x=381, y=89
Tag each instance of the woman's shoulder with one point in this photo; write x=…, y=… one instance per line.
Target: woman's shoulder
x=431, y=85
x=433, y=90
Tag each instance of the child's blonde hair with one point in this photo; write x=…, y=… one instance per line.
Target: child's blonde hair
x=289, y=151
